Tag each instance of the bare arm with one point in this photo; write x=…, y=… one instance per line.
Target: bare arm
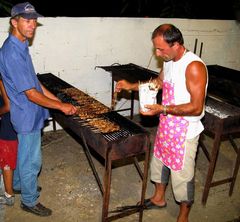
x=159, y=80
x=42, y=100
x=125, y=85
x=196, y=80
x=48, y=94
x=6, y=107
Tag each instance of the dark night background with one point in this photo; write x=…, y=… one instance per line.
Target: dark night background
x=192, y=9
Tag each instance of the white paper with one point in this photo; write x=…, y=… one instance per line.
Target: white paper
x=147, y=96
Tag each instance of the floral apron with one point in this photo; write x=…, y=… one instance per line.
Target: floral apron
x=169, y=144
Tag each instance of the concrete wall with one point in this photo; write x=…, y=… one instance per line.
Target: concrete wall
x=71, y=47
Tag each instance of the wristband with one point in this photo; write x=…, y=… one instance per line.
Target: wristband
x=164, y=110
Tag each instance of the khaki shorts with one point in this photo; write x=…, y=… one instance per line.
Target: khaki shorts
x=183, y=180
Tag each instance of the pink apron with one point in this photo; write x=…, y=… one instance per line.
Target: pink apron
x=169, y=144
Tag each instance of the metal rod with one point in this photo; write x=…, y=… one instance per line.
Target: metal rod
x=234, y=145
x=201, y=47
x=235, y=172
x=204, y=149
x=195, y=45
x=125, y=213
x=145, y=176
x=237, y=163
x=87, y=152
x=107, y=184
x=212, y=164
x=132, y=104
x=138, y=167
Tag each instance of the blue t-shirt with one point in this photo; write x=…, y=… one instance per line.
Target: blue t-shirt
x=6, y=129
x=18, y=75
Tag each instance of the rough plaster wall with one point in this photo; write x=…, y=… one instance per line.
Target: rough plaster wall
x=71, y=47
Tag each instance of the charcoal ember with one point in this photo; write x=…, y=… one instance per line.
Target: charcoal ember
x=216, y=112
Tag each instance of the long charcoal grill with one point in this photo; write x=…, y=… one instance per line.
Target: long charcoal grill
x=130, y=140
x=221, y=121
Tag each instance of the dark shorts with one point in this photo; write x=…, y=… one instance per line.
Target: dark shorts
x=8, y=153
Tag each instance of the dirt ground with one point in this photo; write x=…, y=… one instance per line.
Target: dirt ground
x=71, y=191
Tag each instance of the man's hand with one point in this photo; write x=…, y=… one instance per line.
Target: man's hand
x=68, y=109
x=154, y=109
x=122, y=85
x=125, y=85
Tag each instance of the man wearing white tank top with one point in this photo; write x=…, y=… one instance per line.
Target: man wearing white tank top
x=183, y=81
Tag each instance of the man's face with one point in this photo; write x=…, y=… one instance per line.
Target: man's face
x=24, y=28
x=163, y=49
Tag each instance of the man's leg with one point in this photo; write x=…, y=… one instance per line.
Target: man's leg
x=16, y=178
x=29, y=164
x=8, y=197
x=8, y=163
x=183, y=181
x=184, y=212
x=30, y=160
x=159, y=195
x=10, y=147
x=159, y=175
x=8, y=179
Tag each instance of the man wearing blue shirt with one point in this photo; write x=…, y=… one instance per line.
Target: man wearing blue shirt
x=27, y=101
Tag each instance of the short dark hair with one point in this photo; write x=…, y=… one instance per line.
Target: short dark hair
x=170, y=34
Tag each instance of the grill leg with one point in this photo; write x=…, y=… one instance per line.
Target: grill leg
x=90, y=161
x=132, y=104
x=53, y=121
x=204, y=148
x=54, y=124
x=138, y=167
x=145, y=176
x=107, y=185
x=236, y=167
x=211, y=167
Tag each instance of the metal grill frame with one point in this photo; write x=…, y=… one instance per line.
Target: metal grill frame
x=110, y=151
x=220, y=128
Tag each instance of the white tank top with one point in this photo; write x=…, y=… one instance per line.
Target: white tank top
x=174, y=72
